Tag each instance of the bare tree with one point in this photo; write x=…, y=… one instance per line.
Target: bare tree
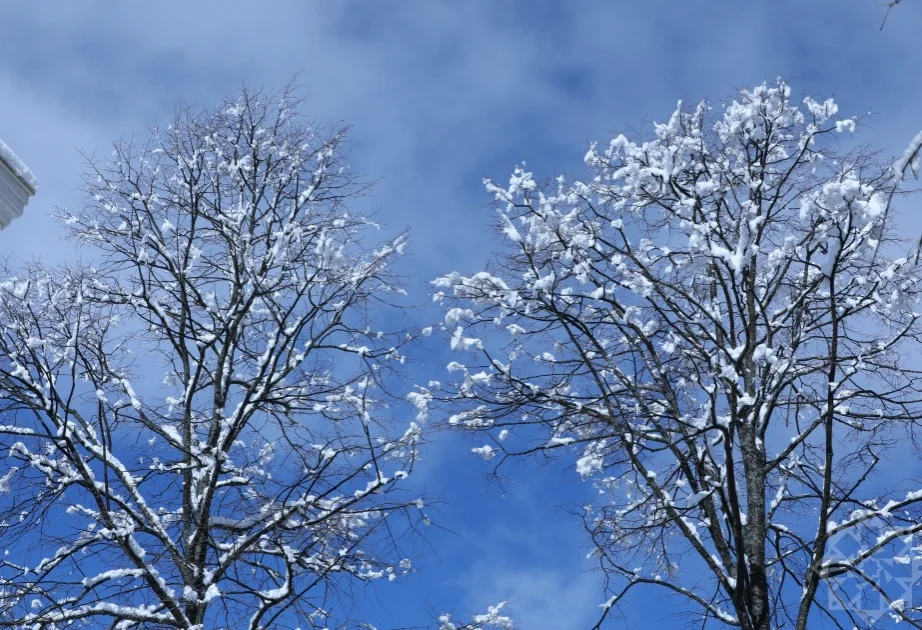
x=195, y=433
x=718, y=322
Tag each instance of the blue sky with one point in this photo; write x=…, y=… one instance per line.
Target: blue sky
x=442, y=94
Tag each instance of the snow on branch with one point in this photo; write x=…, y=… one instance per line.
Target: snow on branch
x=910, y=159
x=493, y=619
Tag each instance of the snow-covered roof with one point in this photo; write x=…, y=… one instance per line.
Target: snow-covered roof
x=17, y=184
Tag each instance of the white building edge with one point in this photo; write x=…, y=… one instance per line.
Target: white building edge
x=17, y=184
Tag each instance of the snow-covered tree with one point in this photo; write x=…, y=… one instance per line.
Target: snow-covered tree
x=192, y=425
x=719, y=323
